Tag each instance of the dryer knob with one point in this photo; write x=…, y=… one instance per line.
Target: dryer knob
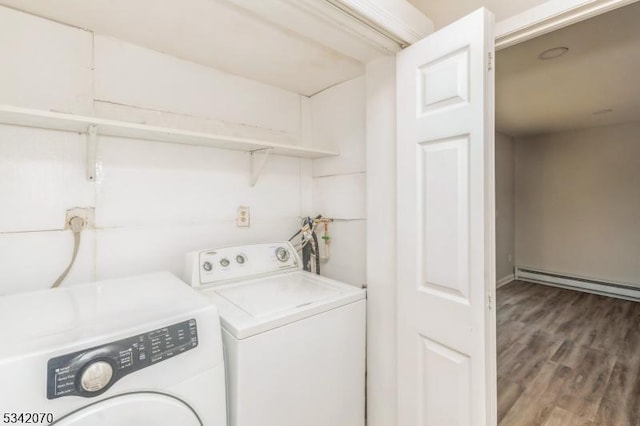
x=96, y=376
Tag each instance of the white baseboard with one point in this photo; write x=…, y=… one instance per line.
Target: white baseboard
x=604, y=288
x=505, y=280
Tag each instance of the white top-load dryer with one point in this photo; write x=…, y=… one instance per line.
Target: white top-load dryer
x=294, y=341
x=144, y=350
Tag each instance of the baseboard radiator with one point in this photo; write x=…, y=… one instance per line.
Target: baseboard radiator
x=604, y=288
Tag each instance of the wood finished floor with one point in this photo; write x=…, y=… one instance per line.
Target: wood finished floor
x=567, y=358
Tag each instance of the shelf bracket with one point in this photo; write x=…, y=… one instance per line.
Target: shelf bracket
x=257, y=164
x=92, y=149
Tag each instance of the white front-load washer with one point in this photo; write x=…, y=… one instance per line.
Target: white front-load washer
x=294, y=341
x=144, y=350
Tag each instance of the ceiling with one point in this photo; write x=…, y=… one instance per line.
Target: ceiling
x=215, y=33
x=600, y=71
x=444, y=12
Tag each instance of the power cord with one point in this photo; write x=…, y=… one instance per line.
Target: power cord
x=76, y=223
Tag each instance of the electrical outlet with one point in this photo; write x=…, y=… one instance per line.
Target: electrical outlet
x=243, y=218
x=510, y=258
x=86, y=213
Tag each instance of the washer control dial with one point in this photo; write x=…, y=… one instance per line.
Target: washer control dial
x=282, y=254
x=96, y=376
x=224, y=262
x=241, y=259
x=207, y=266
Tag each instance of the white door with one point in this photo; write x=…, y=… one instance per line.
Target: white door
x=446, y=320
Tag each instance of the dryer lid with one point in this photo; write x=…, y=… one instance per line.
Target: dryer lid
x=144, y=408
x=251, y=307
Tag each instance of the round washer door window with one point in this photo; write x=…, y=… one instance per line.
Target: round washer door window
x=134, y=409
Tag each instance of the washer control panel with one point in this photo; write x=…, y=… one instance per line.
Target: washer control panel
x=92, y=371
x=214, y=266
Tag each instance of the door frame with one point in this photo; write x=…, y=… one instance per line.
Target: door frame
x=545, y=18
x=531, y=23
x=550, y=16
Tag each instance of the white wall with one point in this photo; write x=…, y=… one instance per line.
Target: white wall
x=505, y=220
x=578, y=203
x=338, y=119
x=153, y=201
x=381, y=243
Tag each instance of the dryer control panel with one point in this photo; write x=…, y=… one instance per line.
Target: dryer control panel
x=92, y=371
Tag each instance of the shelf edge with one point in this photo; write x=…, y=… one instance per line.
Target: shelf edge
x=77, y=123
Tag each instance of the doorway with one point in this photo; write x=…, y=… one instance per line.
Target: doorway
x=567, y=230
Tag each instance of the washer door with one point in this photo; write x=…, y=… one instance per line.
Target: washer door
x=133, y=409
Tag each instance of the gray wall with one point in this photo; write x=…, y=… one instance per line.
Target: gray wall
x=577, y=203
x=505, y=223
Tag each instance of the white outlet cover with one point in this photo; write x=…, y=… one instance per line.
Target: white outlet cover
x=243, y=218
x=86, y=213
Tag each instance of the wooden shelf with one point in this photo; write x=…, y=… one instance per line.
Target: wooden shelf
x=94, y=127
x=105, y=127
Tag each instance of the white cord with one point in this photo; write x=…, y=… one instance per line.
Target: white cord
x=76, y=223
